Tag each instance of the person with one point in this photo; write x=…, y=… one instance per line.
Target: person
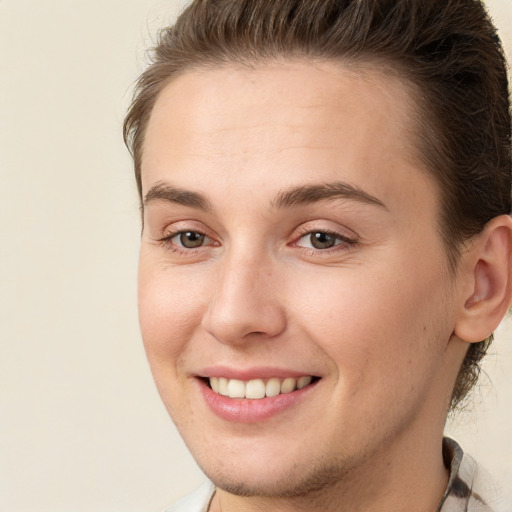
x=325, y=191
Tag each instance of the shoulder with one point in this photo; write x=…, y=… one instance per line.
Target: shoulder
x=470, y=487
x=198, y=501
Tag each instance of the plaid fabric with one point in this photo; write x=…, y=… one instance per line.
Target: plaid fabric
x=469, y=487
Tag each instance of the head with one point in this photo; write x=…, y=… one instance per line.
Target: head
x=447, y=52
x=443, y=60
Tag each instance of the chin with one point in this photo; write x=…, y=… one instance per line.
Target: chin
x=295, y=479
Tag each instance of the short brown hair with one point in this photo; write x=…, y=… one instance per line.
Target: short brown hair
x=448, y=50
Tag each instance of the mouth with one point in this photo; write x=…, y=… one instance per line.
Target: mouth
x=262, y=395
x=257, y=389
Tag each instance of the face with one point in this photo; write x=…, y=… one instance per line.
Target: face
x=294, y=293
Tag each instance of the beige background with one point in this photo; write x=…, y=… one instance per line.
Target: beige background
x=81, y=427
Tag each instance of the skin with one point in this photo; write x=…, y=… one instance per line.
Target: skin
x=373, y=316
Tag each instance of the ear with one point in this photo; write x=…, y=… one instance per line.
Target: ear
x=487, y=281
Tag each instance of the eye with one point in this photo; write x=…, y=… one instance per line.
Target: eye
x=189, y=239
x=323, y=240
x=186, y=240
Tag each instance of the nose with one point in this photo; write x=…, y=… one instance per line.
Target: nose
x=245, y=303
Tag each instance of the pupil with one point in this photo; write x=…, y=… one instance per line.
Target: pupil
x=191, y=239
x=322, y=240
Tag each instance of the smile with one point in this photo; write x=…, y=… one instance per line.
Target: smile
x=250, y=400
x=257, y=388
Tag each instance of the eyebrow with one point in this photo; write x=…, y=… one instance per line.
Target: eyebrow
x=165, y=192
x=307, y=194
x=296, y=196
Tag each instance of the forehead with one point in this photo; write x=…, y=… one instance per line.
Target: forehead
x=245, y=96
x=285, y=122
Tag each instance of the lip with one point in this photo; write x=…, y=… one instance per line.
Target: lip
x=251, y=373
x=246, y=410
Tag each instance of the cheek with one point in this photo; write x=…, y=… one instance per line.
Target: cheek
x=168, y=316
x=385, y=343
x=170, y=309
x=377, y=323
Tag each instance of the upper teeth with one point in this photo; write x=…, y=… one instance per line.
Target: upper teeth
x=257, y=388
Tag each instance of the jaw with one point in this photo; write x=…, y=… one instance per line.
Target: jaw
x=291, y=458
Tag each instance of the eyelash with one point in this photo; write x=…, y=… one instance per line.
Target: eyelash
x=167, y=242
x=344, y=243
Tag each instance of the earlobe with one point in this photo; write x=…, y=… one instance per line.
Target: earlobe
x=489, y=282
